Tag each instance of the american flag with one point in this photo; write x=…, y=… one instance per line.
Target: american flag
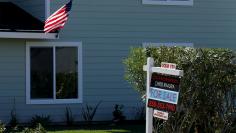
x=58, y=19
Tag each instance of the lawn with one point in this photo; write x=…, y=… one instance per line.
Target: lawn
x=140, y=128
x=93, y=131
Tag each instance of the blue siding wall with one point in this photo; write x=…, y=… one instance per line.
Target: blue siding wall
x=103, y=52
x=108, y=87
x=12, y=86
x=207, y=23
x=11, y=75
x=108, y=28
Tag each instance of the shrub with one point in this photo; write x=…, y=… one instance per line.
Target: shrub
x=13, y=123
x=39, y=129
x=14, y=120
x=88, y=112
x=118, y=116
x=206, y=90
x=43, y=120
x=69, y=116
x=2, y=127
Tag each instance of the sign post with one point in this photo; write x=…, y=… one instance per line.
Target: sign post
x=162, y=91
x=149, y=111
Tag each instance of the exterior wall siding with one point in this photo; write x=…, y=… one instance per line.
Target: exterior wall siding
x=107, y=29
x=207, y=23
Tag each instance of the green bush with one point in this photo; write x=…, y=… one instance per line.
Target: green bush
x=88, y=112
x=2, y=127
x=13, y=123
x=118, y=116
x=69, y=116
x=206, y=96
x=14, y=120
x=39, y=129
x=43, y=120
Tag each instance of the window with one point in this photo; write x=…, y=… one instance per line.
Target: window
x=169, y=2
x=53, y=73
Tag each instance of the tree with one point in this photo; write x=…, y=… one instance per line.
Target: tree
x=206, y=102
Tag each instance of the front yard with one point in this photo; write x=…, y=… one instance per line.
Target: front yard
x=135, y=128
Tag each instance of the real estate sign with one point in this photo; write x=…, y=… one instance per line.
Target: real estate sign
x=163, y=95
x=161, y=105
x=168, y=65
x=164, y=90
x=160, y=114
x=165, y=82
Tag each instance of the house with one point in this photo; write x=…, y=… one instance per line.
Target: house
x=87, y=54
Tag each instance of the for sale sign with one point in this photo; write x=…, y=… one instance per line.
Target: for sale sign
x=161, y=105
x=163, y=92
x=165, y=82
x=163, y=95
x=168, y=65
x=160, y=114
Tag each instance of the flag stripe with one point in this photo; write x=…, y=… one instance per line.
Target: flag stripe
x=62, y=10
x=51, y=23
x=56, y=16
x=58, y=19
x=55, y=25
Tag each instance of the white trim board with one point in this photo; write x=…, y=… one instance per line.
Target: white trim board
x=28, y=35
x=165, y=71
x=150, y=44
x=80, y=72
x=168, y=2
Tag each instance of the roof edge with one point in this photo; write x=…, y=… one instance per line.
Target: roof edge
x=28, y=35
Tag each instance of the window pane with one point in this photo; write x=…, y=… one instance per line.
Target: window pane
x=41, y=60
x=66, y=72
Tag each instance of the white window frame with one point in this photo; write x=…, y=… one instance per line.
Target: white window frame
x=151, y=44
x=80, y=73
x=168, y=2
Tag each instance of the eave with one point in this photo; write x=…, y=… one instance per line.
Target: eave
x=28, y=35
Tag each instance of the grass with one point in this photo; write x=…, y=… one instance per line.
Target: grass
x=140, y=128
x=92, y=131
